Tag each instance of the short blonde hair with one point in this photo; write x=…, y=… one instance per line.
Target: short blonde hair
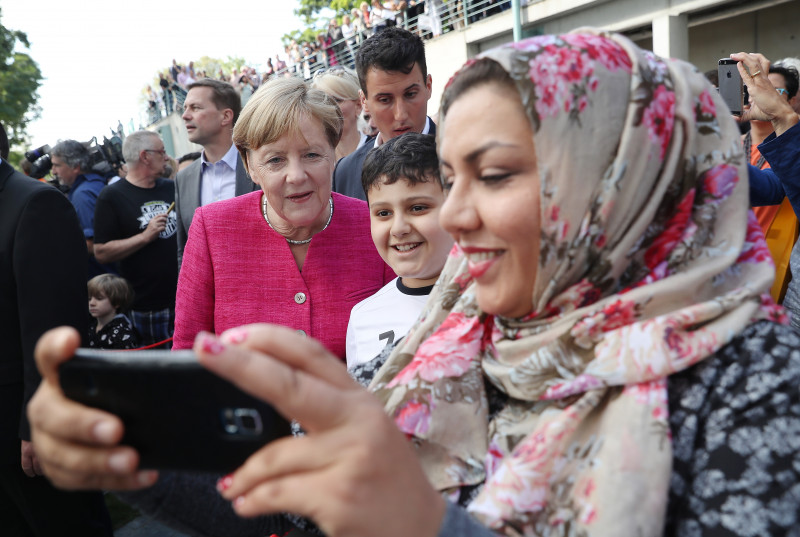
x=339, y=82
x=277, y=108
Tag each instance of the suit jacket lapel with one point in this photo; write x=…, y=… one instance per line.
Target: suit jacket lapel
x=243, y=183
x=191, y=192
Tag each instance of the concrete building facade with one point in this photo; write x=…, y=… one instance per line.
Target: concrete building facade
x=700, y=31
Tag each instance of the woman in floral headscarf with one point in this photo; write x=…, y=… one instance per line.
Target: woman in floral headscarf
x=598, y=356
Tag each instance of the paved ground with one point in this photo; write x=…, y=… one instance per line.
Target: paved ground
x=144, y=526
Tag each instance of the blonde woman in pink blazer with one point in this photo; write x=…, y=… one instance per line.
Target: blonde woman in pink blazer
x=292, y=254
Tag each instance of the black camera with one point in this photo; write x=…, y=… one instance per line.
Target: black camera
x=40, y=161
x=104, y=159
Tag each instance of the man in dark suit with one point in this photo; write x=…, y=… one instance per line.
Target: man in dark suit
x=43, y=263
x=395, y=89
x=210, y=112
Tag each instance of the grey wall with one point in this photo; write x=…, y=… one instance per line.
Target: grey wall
x=716, y=29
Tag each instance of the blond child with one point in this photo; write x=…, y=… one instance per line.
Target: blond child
x=109, y=296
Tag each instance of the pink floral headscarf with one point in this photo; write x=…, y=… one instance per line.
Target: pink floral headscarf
x=650, y=262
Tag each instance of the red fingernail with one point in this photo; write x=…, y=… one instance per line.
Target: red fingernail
x=210, y=343
x=225, y=483
x=236, y=335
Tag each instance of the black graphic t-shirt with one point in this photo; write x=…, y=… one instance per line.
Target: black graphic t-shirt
x=124, y=210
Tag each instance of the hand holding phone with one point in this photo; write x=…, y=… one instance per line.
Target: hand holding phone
x=731, y=88
x=352, y=443
x=176, y=414
x=766, y=104
x=77, y=446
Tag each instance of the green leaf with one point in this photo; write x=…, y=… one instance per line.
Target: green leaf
x=20, y=79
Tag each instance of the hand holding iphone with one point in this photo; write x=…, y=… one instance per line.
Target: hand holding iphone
x=177, y=415
x=731, y=88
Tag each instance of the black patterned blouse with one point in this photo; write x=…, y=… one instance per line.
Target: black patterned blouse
x=735, y=423
x=117, y=334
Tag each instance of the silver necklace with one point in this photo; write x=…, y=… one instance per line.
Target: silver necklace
x=292, y=241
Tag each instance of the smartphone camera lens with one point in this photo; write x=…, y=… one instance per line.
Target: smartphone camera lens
x=242, y=421
x=89, y=386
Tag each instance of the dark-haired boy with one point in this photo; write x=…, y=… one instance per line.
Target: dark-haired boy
x=395, y=89
x=401, y=183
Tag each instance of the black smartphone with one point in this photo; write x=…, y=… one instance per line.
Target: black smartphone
x=177, y=414
x=731, y=88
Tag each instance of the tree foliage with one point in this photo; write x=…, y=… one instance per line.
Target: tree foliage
x=20, y=79
x=210, y=65
x=309, y=10
x=307, y=34
x=314, y=12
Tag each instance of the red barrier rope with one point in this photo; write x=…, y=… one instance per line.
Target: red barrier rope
x=151, y=346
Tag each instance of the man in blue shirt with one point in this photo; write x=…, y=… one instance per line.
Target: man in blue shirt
x=71, y=167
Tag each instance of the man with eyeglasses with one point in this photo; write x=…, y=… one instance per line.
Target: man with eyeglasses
x=135, y=226
x=785, y=81
x=793, y=63
x=776, y=221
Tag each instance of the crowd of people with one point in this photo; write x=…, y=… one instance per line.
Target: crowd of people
x=337, y=44
x=478, y=328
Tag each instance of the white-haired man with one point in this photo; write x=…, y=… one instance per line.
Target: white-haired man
x=134, y=227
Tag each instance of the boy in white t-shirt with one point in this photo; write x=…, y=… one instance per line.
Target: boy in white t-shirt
x=401, y=181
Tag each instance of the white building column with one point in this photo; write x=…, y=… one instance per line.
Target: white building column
x=671, y=36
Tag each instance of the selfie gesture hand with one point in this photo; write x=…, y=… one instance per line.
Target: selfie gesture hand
x=766, y=103
x=354, y=473
x=77, y=446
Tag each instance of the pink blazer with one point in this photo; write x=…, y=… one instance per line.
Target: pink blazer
x=236, y=270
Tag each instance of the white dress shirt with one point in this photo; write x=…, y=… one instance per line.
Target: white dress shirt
x=218, y=179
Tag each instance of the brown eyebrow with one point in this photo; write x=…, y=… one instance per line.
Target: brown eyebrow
x=414, y=200
x=412, y=86
x=473, y=155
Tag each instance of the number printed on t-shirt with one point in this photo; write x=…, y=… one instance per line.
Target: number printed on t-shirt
x=389, y=336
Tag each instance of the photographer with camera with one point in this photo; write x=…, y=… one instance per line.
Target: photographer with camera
x=72, y=169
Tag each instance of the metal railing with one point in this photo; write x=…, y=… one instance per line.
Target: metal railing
x=440, y=18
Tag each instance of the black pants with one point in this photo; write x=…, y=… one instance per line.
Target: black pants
x=32, y=507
